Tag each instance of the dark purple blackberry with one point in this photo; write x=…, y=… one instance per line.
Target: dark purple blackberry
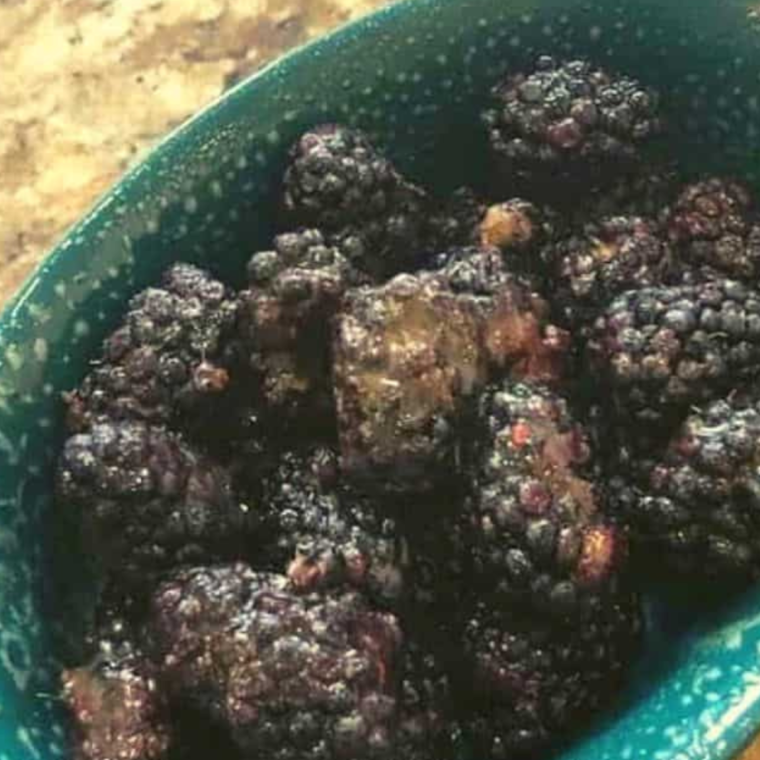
x=568, y=123
x=409, y=354
x=148, y=501
x=455, y=223
x=611, y=256
x=337, y=181
x=291, y=677
x=427, y=728
x=117, y=710
x=326, y=536
x=660, y=350
x=696, y=506
x=712, y=224
x=534, y=520
x=533, y=684
x=167, y=362
x=295, y=291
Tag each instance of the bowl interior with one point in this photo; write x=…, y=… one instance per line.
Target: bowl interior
x=414, y=76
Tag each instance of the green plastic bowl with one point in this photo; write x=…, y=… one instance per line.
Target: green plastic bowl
x=414, y=75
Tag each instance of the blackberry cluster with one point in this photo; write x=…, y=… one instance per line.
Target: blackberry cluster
x=568, y=122
x=362, y=509
x=535, y=517
x=338, y=182
x=531, y=681
x=455, y=222
x=148, y=501
x=169, y=361
x=325, y=535
x=295, y=291
x=291, y=676
x=118, y=709
x=663, y=349
x=409, y=354
x=712, y=224
x=696, y=503
x=611, y=256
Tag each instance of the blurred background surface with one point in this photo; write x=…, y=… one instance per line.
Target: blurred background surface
x=88, y=86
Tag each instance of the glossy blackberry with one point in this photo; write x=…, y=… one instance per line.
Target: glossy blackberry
x=533, y=684
x=295, y=291
x=409, y=354
x=337, y=181
x=324, y=535
x=712, y=224
x=291, y=677
x=455, y=223
x=167, y=362
x=696, y=505
x=535, y=522
x=148, y=501
x=568, y=123
x=611, y=256
x=118, y=711
x=660, y=350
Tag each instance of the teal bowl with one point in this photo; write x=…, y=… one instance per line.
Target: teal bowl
x=413, y=75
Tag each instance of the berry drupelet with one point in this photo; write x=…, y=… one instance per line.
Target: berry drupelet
x=294, y=292
x=291, y=677
x=531, y=685
x=117, y=710
x=323, y=535
x=696, y=505
x=711, y=223
x=535, y=522
x=611, y=256
x=338, y=181
x=568, y=122
x=148, y=501
x=168, y=361
x=662, y=349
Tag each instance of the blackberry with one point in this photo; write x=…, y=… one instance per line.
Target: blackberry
x=533, y=684
x=408, y=355
x=662, y=349
x=711, y=222
x=117, y=710
x=291, y=677
x=148, y=501
x=568, y=124
x=337, y=181
x=168, y=361
x=696, y=504
x=455, y=223
x=327, y=536
x=285, y=319
x=610, y=257
x=537, y=533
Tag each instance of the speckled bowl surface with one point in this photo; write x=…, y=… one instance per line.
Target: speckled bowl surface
x=413, y=75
